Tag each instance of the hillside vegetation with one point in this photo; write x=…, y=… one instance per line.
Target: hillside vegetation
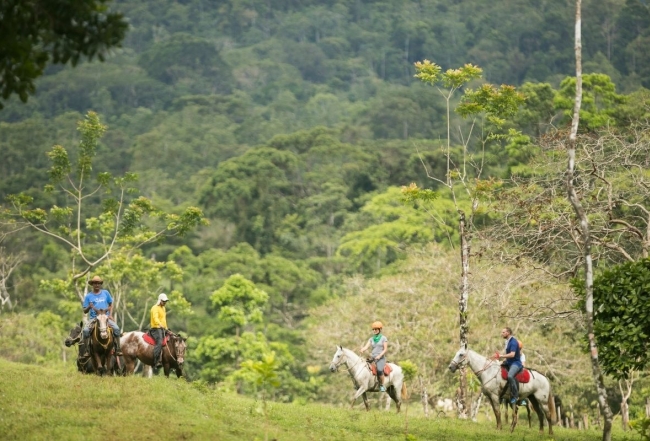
x=248, y=158
x=55, y=403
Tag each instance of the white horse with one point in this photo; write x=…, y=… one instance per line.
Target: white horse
x=365, y=381
x=537, y=390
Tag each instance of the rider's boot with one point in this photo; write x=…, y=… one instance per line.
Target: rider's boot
x=86, y=343
x=118, y=349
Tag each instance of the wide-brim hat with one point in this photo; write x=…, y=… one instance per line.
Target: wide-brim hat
x=95, y=279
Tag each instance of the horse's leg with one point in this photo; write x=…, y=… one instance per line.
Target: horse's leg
x=538, y=410
x=515, y=417
x=392, y=392
x=496, y=407
x=179, y=371
x=528, y=412
x=365, y=401
x=97, y=363
x=129, y=365
x=362, y=390
x=547, y=413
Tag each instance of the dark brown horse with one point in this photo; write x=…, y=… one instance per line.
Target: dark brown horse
x=134, y=347
x=84, y=365
x=101, y=344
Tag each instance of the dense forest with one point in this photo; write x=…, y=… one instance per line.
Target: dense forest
x=287, y=129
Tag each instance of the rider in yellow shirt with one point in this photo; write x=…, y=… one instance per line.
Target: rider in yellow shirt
x=158, y=327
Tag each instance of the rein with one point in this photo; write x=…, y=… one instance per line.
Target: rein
x=170, y=352
x=98, y=339
x=344, y=359
x=480, y=371
x=174, y=336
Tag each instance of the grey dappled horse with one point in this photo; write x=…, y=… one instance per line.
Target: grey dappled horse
x=488, y=371
x=365, y=381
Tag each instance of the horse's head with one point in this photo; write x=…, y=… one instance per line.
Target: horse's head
x=74, y=336
x=102, y=323
x=180, y=345
x=339, y=357
x=459, y=358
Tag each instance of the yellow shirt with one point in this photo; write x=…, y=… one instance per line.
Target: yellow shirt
x=158, y=316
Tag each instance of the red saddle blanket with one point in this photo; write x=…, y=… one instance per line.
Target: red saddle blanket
x=387, y=369
x=147, y=338
x=522, y=377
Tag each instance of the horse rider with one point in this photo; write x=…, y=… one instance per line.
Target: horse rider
x=511, y=361
x=95, y=300
x=379, y=344
x=158, y=327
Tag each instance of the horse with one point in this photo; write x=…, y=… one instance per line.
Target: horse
x=101, y=344
x=537, y=390
x=134, y=347
x=363, y=379
x=84, y=365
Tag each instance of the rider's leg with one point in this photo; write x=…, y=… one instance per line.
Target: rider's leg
x=157, y=335
x=86, y=339
x=116, y=334
x=512, y=382
x=381, y=363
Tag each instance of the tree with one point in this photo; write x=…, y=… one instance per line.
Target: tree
x=585, y=234
x=621, y=322
x=122, y=221
x=36, y=33
x=8, y=263
x=239, y=302
x=492, y=104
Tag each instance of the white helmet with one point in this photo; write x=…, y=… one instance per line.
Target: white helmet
x=162, y=297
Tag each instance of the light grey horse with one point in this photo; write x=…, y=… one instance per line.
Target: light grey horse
x=488, y=371
x=365, y=381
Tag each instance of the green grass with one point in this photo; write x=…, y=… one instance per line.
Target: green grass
x=44, y=403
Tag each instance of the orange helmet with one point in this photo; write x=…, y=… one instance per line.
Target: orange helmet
x=521, y=345
x=377, y=325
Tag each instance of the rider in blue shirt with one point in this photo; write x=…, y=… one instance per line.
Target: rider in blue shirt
x=95, y=300
x=512, y=362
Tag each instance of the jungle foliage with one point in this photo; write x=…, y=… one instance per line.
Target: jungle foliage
x=291, y=127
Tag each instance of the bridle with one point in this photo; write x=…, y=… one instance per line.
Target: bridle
x=109, y=339
x=459, y=363
x=342, y=360
x=464, y=360
x=173, y=338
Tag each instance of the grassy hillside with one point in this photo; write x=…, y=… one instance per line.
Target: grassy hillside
x=57, y=403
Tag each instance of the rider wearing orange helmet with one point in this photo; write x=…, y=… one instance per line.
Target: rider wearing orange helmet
x=379, y=344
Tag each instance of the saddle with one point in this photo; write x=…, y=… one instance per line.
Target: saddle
x=373, y=369
x=150, y=340
x=522, y=377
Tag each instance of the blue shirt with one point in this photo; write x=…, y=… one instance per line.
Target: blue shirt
x=101, y=300
x=512, y=345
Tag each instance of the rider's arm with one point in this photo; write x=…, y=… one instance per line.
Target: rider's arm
x=88, y=307
x=365, y=347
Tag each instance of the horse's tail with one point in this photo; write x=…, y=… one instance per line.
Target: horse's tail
x=404, y=392
x=551, y=405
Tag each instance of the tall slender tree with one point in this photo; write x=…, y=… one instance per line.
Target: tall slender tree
x=574, y=199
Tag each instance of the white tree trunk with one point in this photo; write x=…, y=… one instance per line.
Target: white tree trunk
x=585, y=233
x=461, y=398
